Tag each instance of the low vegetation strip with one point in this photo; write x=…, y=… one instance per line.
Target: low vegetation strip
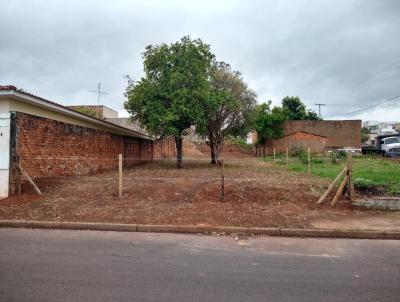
x=371, y=173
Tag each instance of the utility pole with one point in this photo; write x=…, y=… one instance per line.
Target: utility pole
x=319, y=108
x=99, y=93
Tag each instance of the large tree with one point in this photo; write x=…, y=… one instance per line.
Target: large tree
x=268, y=122
x=167, y=99
x=297, y=110
x=228, y=109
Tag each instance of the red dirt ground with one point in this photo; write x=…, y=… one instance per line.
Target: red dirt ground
x=256, y=194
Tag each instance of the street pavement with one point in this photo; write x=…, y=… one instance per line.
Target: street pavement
x=55, y=265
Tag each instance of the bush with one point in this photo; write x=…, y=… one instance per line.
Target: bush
x=317, y=161
x=241, y=142
x=298, y=151
x=338, y=155
x=341, y=154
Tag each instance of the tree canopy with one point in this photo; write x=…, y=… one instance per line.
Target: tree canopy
x=268, y=122
x=167, y=99
x=365, y=134
x=184, y=86
x=297, y=110
x=227, y=110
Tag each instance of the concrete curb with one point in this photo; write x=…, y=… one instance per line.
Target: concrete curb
x=277, y=232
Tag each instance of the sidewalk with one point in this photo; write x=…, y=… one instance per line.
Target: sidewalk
x=280, y=232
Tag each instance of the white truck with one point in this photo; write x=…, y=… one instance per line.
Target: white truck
x=390, y=146
x=387, y=145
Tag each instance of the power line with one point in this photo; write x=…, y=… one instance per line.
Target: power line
x=380, y=73
x=358, y=111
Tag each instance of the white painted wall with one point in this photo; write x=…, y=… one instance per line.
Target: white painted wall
x=4, y=148
x=249, y=139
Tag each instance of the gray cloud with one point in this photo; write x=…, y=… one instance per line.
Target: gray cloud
x=342, y=53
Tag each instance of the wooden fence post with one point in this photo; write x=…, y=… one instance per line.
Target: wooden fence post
x=30, y=180
x=274, y=153
x=349, y=173
x=120, y=176
x=332, y=185
x=309, y=161
x=222, y=180
x=287, y=155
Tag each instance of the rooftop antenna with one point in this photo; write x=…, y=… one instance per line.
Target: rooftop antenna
x=99, y=93
x=319, y=108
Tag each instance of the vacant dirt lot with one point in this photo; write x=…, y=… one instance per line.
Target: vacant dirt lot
x=256, y=194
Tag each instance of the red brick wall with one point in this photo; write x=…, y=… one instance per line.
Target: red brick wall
x=164, y=148
x=45, y=147
x=299, y=139
x=131, y=152
x=339, y=134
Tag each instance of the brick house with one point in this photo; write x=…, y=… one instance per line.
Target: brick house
x=338, y=133
x=301, y=139
x=318, y=135
x=48, y=139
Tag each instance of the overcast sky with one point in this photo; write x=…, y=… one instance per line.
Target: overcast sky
x=345, y=53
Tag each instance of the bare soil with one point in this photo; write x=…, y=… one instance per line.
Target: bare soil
x=257, y=194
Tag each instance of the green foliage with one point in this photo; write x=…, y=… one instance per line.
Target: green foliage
x=228, y=109
x=365, y=134
x=241, y=142
x=368, y=171
x=338, y=156
x=296, y=110
x=317, y=160
x=86, y=110
x=269, y=123
x=297, y=151
x=166, y=101
x=300, y=152
x=312, y=115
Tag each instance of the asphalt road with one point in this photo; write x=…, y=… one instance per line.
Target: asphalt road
x=48, y=265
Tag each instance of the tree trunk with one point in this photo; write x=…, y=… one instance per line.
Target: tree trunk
x=216, y=150
x=213, y=156
x=179, y=151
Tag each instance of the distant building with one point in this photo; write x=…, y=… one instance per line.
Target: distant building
x=319, y=136
x=377, y=127
x=127, y=123
x=100, y=111
x=300, y=139
x=109, y=115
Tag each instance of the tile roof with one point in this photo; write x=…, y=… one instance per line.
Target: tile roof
x=21, y=91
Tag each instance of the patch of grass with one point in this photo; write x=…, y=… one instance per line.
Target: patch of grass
x=368, y=171
x=241, y=142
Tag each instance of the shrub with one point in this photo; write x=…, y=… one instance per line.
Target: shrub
x=341, y=154
x=338, y=155
x=317, y=160
x=298, y=151
x=241, y=142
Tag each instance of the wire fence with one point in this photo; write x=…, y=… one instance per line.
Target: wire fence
x=124, y=172
x=244, y=178
x=121, y=174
